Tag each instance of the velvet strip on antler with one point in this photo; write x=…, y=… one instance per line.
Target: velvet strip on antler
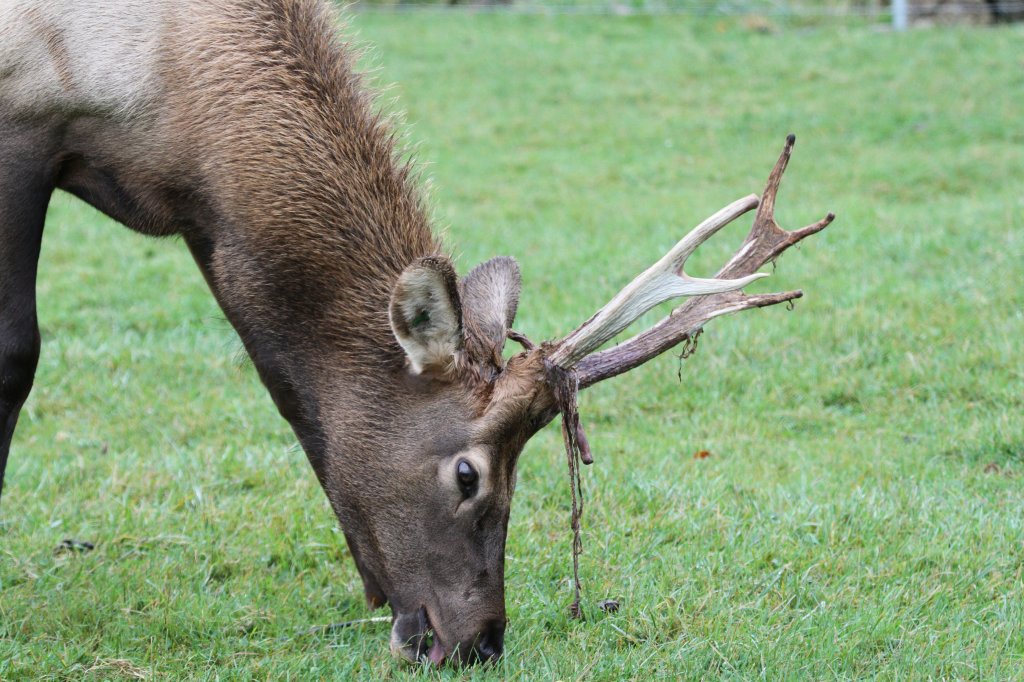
x=565, y=386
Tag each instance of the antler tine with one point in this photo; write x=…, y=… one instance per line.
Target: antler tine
x=661, y=282
x=765, y=225
x=765, y=242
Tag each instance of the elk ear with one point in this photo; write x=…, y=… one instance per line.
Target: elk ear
x=490, y=294
x=426, y=313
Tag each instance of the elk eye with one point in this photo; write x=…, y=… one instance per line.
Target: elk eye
x=467, y=477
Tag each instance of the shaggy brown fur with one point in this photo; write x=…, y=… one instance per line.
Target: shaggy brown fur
x=301, y=171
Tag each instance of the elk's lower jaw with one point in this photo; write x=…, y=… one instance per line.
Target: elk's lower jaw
x=422, y=644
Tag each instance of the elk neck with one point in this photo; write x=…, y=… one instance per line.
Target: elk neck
x=310, y=215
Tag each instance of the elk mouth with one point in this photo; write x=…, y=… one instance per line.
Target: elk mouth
x=414, y=638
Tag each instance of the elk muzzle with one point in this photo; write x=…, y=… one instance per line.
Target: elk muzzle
x=414, y=638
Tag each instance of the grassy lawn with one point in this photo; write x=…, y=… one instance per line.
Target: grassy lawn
x=861, y=514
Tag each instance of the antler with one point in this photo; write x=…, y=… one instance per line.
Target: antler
x=571, y=363
x=661, y=282
x=665, y=280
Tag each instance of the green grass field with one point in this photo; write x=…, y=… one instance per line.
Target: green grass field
x=861, y=514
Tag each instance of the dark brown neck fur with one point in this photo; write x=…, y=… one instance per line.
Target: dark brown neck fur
x=317, y=216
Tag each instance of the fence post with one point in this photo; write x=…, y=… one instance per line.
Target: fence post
x=899, y=15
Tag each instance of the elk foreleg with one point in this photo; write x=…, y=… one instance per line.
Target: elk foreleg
x=24, y=193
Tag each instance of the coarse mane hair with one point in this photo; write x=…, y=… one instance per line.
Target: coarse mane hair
x=296, y=156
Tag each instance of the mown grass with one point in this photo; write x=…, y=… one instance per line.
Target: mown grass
x=861, y=514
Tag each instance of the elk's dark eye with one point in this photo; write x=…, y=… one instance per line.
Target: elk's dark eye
x=467, y=477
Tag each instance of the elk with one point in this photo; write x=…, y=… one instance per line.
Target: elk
x=242, y=127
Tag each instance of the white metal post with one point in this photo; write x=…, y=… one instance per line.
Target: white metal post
x=899, y=15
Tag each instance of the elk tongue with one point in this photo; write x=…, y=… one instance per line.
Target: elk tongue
x=436, y=653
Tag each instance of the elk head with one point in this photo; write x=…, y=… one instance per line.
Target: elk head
x=436, y=553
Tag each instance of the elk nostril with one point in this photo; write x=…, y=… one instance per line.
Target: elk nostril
x=492, y=641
